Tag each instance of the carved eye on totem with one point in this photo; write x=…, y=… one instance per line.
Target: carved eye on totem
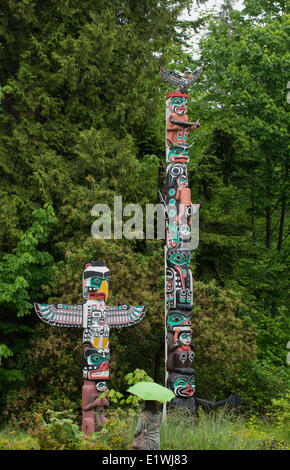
x=96, y=359
x=177, y=259
x=182, y=357
x=177, y=170
x=174, y=319
x=191, y=356
x=97, y=281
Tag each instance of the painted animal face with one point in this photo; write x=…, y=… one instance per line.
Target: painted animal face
x=182, y=384
x=96, y=277
x=178, y=105
x=178, y=319
x=178, y=154
x=95, y=362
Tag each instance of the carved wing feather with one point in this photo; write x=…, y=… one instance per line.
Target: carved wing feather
x=170, y=76
x=124, y=315
x=60, y=314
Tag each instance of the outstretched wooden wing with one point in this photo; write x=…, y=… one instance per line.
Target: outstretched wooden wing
x=170, y=76
x=60, y=314
x=194, y=75
x=178, y=81
x=124, y=315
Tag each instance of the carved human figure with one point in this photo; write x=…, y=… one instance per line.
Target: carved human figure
x=183, y=195
x=93, y=407
x=180, y=349
x=178, y=126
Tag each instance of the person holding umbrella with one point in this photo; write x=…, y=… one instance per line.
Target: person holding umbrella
x=147, y=431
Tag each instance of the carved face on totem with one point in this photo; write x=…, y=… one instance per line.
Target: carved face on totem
x=178, y=153
x=96, y=277
x=182, y=382
x=185, y=338
x=95, y=362
x=177, y=103
x=182, y=181
x=178, y=319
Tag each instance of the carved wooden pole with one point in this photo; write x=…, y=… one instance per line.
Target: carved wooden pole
x=179, y=241
x=96, y=319
x=179, y=212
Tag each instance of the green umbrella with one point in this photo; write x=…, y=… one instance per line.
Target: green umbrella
x=151, y=391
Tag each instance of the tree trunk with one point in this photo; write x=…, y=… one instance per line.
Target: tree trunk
x=282, y=216
x=268, y=206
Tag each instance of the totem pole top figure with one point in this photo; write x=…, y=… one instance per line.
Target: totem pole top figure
x=93, y=312
x=95, y=317
x=178, y=81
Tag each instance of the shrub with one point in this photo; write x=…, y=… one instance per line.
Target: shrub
x=118, y=432
x=261, y=383
x=60, y=433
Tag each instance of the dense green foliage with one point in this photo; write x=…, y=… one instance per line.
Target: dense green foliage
x=82, y=121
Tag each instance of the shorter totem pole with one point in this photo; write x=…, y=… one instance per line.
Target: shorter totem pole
x=96, y=318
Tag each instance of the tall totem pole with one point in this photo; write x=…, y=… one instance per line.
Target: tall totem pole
x=179, y=211
x=180, y=214
x=96, y=319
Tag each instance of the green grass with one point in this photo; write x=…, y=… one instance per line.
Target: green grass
x=11, y=439
x=216, y=430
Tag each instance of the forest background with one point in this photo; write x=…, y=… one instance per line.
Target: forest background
x=82, y=120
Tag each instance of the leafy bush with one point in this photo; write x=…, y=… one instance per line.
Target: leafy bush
x=118, y=432
x=60, y=433
x=281, y=414
x=261, y=382
x=132, y=401
x=225, y=338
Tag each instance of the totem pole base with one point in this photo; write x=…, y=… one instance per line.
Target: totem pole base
x=93, y=408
